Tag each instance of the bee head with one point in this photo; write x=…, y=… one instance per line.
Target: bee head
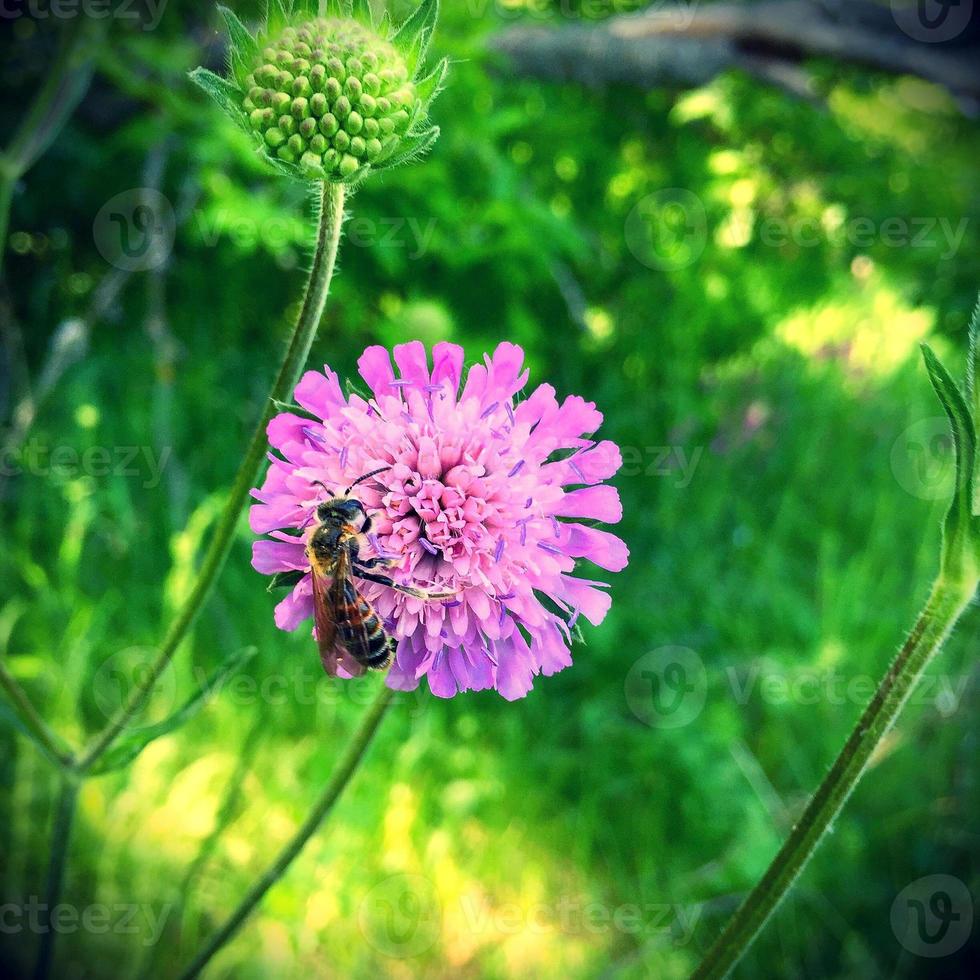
x=338, y=511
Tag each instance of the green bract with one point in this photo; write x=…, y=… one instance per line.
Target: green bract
x=326, y=93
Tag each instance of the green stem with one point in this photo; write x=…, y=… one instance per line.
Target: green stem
x=324, y=260
x=64, y=819
x=339, y=779
x=945, y=606
x=28, y=716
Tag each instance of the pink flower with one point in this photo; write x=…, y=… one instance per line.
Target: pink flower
x=485, y=496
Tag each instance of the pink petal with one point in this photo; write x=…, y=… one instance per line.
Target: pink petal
x=599, y=503
x=515, y=667
x=413, y=364
x=296, y=607
x=320, y=394
x=592, y=603
x=598, y=546
x=270, y=557
x=375, y=368
x=551, y=650
x=447, y=360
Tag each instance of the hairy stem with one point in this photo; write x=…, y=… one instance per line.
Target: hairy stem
x=339, y=779
x=318, y=288
x=945, y=606
x=64, y=819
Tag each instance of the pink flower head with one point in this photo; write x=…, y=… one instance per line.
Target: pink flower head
x=485, y=496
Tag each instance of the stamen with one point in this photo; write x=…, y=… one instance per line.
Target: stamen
x=517, y=469
x=500, y=550
x=272, y=458
x=453, y=604
x=506, y=596
x=343, y=458
x=574, y=466
x=555, y=525
x=400, y=384
x=489, y=410
x=528, y=502
x=544, y=546
x=510, y=413
x=313, y=436
x=431, y=549
x=574, y=618
x=432, y=388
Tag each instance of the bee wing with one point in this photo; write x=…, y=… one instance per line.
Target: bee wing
x=327, y=601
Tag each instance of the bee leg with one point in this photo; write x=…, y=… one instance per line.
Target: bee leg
x=360, y=563
x=407, y=589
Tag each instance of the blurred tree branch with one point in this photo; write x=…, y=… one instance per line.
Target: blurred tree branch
x=689, y=45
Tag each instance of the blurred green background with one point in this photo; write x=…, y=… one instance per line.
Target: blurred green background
x=786, y=473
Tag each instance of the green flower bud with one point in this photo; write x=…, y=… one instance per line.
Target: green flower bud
x=326, y=93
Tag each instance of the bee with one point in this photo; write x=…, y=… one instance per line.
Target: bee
x=349, y=632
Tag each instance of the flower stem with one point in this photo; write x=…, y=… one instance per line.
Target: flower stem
x=339, y=779
x=324, y=259
x=946, y=604
x=64, y=819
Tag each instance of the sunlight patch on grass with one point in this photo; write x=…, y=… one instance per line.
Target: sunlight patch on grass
x=873, y=332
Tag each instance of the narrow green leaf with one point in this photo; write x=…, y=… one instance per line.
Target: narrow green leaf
x=243, y=49
x=413, y=37
x=413, y=147
x=384, y=25
x=972, y=394
x=430, y=86
x=277, y=14
x=361, y=10
x=958, y=526
x=225, y=94
x=127, y=749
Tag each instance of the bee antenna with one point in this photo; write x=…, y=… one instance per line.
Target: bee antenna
x=319, y=483
x=367, y=476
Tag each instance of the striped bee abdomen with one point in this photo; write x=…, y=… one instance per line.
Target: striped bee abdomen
x=364, y=635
